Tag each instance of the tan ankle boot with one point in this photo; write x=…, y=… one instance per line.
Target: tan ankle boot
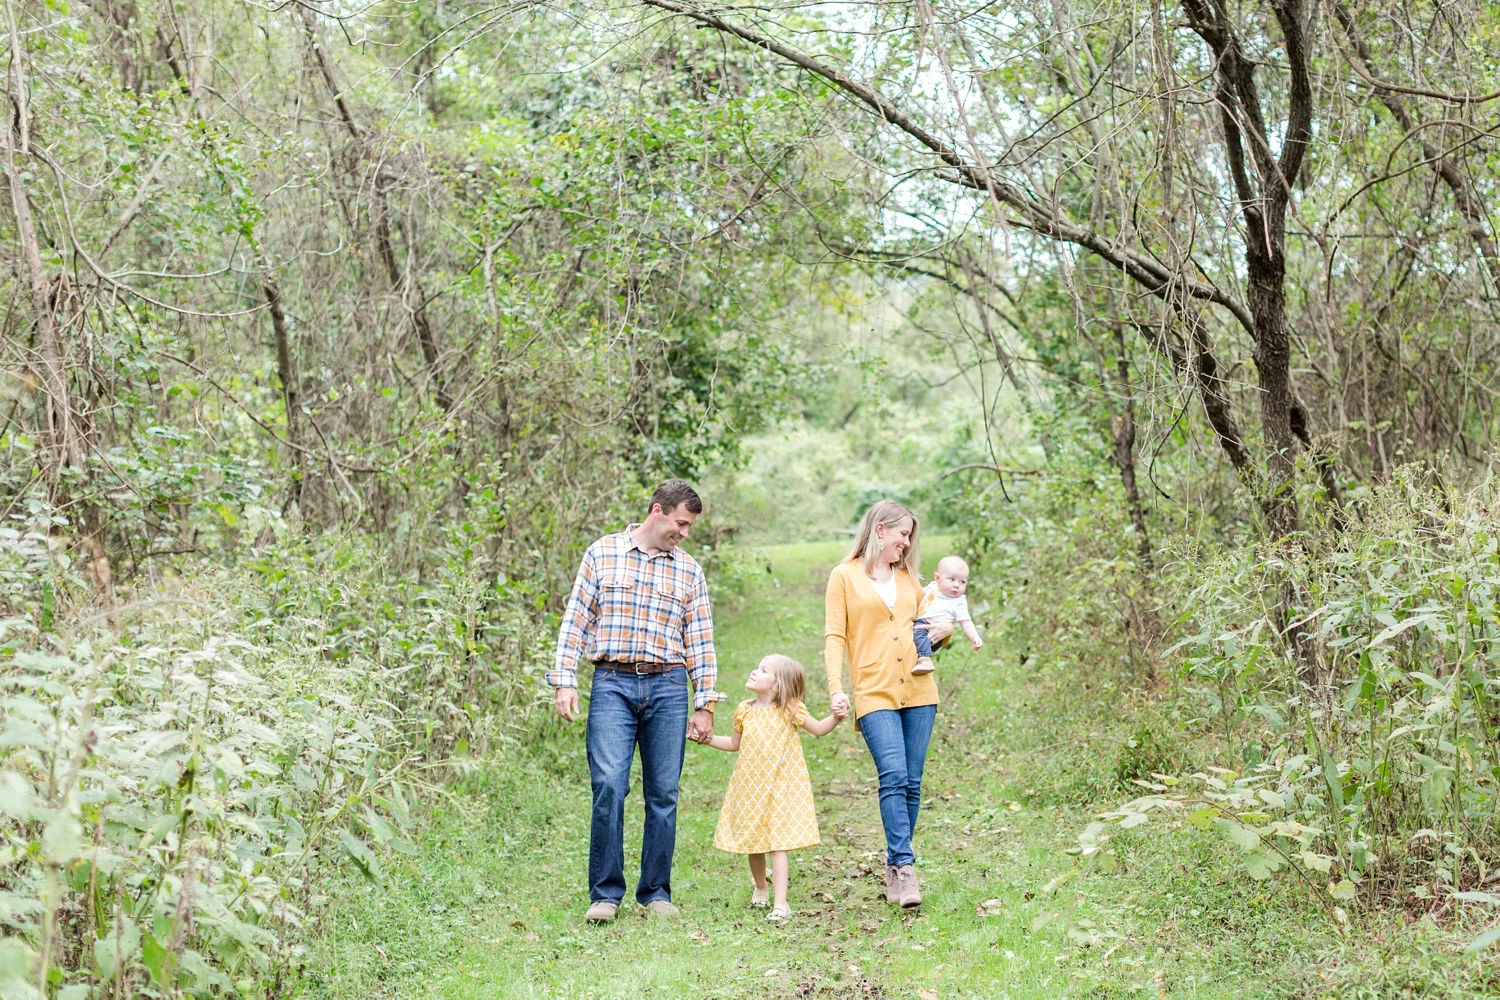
x=892, y=886
x=908, y=891
x=602, y=912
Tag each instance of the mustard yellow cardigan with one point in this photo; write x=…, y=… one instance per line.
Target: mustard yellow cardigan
x=876, y=640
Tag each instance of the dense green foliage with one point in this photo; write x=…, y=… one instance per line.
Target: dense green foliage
x=335, y=331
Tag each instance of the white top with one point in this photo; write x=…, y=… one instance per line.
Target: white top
x=936, y=607
x=886, y=589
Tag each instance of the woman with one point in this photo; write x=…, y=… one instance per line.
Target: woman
x=871, y=605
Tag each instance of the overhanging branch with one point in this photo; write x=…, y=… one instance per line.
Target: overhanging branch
x=1035, y=216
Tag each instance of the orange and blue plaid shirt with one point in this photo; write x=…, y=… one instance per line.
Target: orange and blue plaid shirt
x=631, y=607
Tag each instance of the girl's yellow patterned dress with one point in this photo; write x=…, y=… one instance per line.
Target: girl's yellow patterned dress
x=769, y=804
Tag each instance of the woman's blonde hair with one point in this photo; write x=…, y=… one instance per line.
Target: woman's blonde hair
x=791, y=680
x=867, y=546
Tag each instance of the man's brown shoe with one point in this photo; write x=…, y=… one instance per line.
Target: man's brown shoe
x=892, y=886
x=908, y=890
x=602, y=912
x=661, y=908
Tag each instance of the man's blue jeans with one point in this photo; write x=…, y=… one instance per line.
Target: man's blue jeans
x=626, y=710
x=897, y=739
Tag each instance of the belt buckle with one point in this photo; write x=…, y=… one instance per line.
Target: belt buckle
x=637, y=668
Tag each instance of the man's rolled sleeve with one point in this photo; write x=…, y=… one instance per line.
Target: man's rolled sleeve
x=577, y=621
x=698, y=643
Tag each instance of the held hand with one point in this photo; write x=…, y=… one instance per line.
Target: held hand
x=840, y=704
x=840, y=713
x=939, y=633
x=701, y=726
x=565, y=700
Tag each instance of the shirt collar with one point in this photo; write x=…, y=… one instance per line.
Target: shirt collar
x=631, y=543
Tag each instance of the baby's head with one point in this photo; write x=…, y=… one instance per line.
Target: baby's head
x=781, y=677
x=952, y=576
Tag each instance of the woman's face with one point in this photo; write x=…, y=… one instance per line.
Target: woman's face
x=894, y=540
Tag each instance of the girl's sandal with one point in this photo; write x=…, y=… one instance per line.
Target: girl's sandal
x=778, y=915
x=760, y=898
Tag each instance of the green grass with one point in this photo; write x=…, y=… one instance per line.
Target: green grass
x=492, y=904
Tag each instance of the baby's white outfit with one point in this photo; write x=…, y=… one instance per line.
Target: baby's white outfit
x=937, y=607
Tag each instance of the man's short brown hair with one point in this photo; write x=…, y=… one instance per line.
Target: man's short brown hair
x=673, y=492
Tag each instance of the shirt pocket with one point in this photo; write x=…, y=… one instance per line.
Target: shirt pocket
x=665, y=603
x=617, y=594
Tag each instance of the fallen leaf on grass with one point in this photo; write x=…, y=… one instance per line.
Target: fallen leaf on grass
x=927, y=994
x=989, y=908
x=518, y=925
x=532, y=938
x=699, y=936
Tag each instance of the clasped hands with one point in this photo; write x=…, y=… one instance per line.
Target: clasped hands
x=701, y=725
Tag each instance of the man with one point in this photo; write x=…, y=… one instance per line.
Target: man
x=639, y=611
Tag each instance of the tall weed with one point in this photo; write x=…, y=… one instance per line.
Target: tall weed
x=181, y=777
x=1357, y=722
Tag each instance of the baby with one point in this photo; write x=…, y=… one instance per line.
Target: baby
x=943, y=600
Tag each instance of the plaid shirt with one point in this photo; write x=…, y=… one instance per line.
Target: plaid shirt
x=632, y=607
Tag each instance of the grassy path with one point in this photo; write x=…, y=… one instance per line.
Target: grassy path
x=492, y=906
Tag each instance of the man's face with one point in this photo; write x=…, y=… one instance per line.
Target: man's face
x=668, y=528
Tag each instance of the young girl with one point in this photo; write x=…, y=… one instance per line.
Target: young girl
x=768, y=808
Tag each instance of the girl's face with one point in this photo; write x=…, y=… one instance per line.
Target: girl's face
x=761, y=681
x=894, y=540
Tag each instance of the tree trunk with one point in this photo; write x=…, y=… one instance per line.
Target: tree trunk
x=1124, y=434
x=1266, y=297
x=290, y=394
x=1263, y=184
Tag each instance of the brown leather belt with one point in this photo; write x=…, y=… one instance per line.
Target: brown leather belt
x=635, y=668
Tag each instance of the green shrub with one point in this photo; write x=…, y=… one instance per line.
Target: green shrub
x=1372, y=686
x=1148, y=751
x=181, y=779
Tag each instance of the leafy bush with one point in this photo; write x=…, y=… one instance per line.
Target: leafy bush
x=1377, y=698
x=180, y=779
x=1148, y=751
x=168, y=798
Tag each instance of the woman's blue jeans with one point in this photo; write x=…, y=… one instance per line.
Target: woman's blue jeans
x=627, y=710
x=897, y=739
